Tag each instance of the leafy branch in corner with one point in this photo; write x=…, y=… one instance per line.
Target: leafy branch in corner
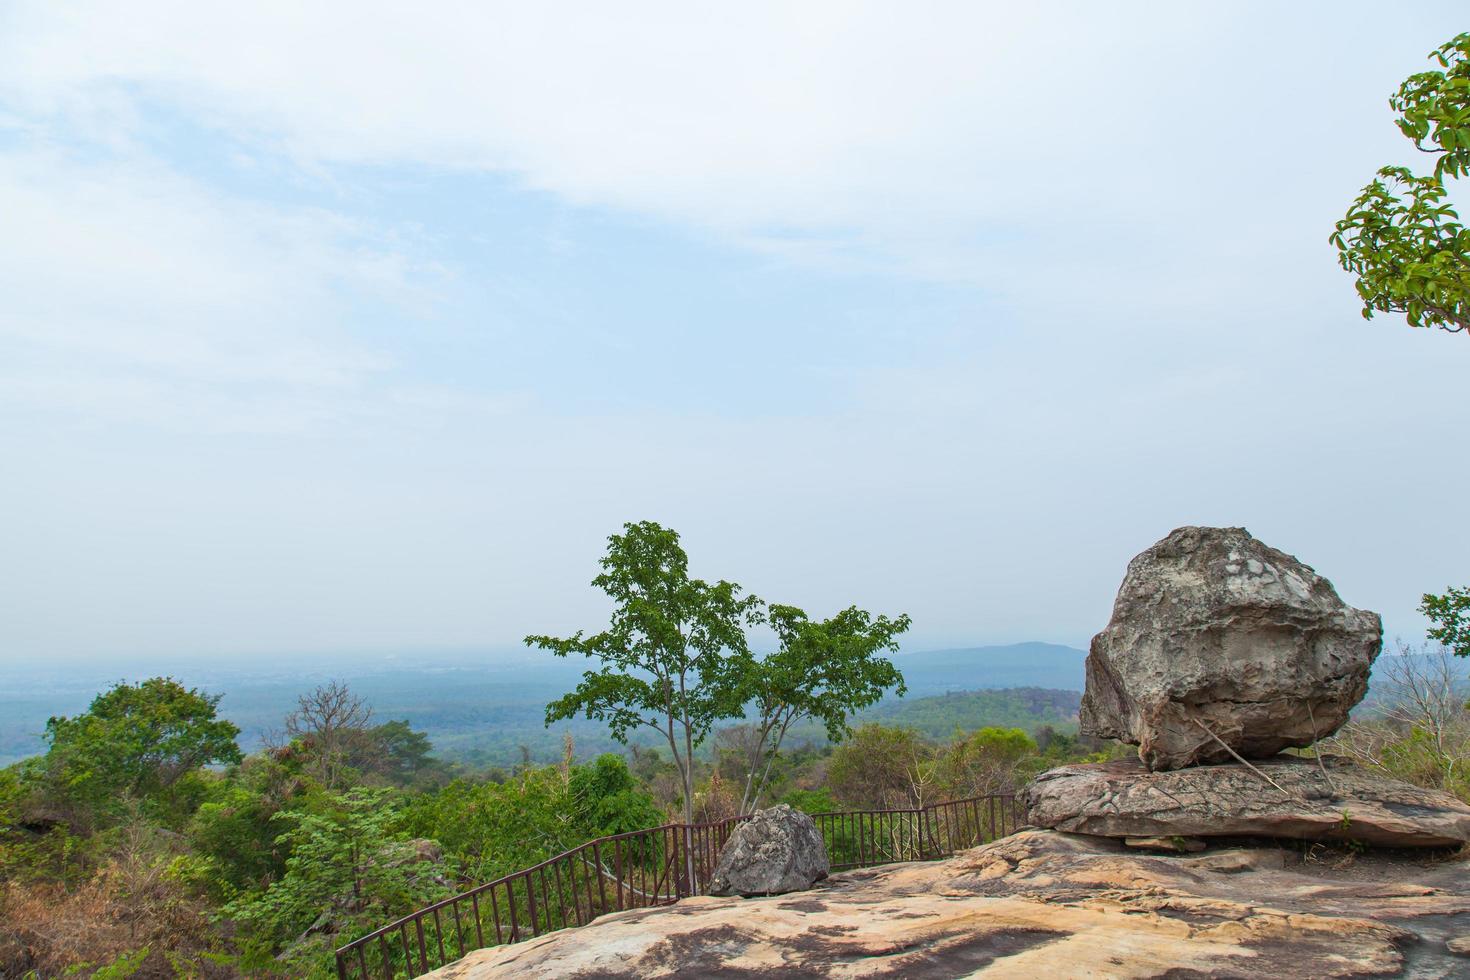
x=1401, y=237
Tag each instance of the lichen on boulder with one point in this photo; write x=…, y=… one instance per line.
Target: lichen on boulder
x=1218, y=642
x=776, y=851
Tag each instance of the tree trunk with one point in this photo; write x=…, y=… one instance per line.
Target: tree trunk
x=688, y=775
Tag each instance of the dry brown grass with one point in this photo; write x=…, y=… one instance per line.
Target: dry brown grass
x=131, y=903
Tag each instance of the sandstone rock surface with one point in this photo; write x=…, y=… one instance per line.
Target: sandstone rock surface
x=776, y=851
x=1123, y=799
x=1038, y=904
x=1214, y=630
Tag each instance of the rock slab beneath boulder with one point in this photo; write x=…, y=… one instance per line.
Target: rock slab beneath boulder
x=1123, y=799
x=1214, y=632
x=776, y=851
x=1036, y=904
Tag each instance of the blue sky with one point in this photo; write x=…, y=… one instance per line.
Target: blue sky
x=352, y=328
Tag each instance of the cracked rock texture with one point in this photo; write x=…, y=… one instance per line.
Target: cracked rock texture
x=1039, y=904
x=778, y=850
x=1214, y=630
x=1122, y=799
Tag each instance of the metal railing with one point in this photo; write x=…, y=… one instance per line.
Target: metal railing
x=645, y=868
x=862, y=838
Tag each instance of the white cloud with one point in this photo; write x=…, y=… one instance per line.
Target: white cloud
x=1068, y=149
x=940, y=139
x=1142, y=191
x=130, y=286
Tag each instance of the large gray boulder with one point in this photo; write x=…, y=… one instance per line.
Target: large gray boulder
x=776, y=851
x=1215, y=632
x=1122, y=799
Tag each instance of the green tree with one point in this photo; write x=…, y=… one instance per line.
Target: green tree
x=396, y=754
x=811, y=800
x=350, y=867
x=1401, y=238
x=824, y=670
x=492, y=829
x=982, y=762
x=880, y=766
x=672, y=657
x=606, y=798
x=139, y=741
x=235, y=835
x=1450, y=614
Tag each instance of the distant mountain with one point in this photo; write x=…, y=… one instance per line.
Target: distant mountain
x=1044, y=665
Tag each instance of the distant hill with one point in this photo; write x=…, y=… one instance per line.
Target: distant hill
x=485, y=711
x=1044, y=665
x=939, y=715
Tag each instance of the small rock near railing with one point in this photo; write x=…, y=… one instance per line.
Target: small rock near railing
x=776, y=851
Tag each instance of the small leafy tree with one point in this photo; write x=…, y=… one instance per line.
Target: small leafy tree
x=350, y=867
x=396, y=754
x=990, y=760
x=1450, y=614
x=1401, y=238
x=492, y=829
x=606, y=799
x=882, y=767
x=672, y=657
x=234, y=835
x=824, y=670
x=135, y=741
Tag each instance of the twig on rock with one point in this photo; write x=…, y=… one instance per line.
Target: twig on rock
x=1318, y=752
x=1241, y=759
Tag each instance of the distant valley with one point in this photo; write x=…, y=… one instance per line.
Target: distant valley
x=485, y=714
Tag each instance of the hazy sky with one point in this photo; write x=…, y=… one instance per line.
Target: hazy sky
x=358, y=327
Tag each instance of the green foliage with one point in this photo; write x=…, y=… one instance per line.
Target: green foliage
x=235, y=830
x=37, y=850
x=399, y=755
x=675, y=660
x=811, y=800
x=822, y=670
x=1450, y=614
x=606, y=799
x=124, y=966
x=1417, y=728
x=143, y=741
x=350, y=868
x=878, y=766
x=1007, y=745
x=1405, y=244
x=273, y=870
x=1421, y=756
x=492, y=829
x=670, y=659
x=829, y=669
x=939, y=715
x=986, y=761
x=235, y=836
x=1401, y=238
x=1434, y=108
x=884, y=766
